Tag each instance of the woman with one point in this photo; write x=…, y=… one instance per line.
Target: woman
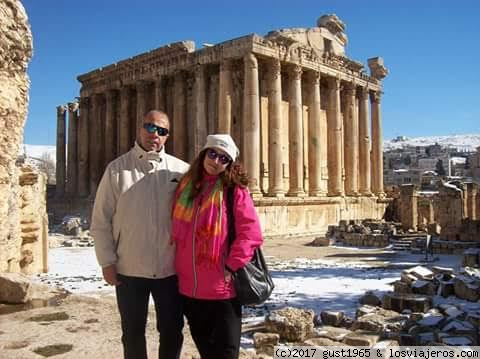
x=204, y=260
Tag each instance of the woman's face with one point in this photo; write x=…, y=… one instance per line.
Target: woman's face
x=216, y=161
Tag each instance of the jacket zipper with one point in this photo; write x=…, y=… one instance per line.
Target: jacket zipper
x=193, y=253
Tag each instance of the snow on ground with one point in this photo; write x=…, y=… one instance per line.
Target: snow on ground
x=321, y=284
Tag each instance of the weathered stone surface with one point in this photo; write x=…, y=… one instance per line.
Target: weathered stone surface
x=331, y=318
x=292, y=324
x=14, y=288
x=370, y=298
x=15, y=53
x=322, y=342
x=332, y=333
x=423, y=287
x=414, y=302
x=361, y=338
x=467, y=288
x=264, y=342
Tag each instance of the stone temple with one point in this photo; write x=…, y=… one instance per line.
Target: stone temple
x=306, y=117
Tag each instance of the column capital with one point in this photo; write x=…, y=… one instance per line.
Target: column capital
x=84, y=101
x=362, y=93
x=274, y=69
x=313, y=76
x=73, y=106
x=375, y=97
x=333, y=83
x=61, y=109
x=295, y=72
x=350, y=88
x=226, y=65
x=250, y=60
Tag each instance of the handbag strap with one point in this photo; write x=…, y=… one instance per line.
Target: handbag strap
x=230, y=217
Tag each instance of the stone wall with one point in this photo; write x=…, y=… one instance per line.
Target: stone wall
x=15, y=53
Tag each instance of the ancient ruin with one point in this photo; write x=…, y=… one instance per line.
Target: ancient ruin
x=295, y=103
x=23, y=221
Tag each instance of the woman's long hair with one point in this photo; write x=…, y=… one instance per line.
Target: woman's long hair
x=233, y=174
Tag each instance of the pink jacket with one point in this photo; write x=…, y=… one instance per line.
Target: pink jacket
x=210, y=282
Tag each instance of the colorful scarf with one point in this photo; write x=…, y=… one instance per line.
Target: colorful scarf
x=202, y=215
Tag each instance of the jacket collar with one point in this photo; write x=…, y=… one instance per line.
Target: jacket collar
x=141, y=154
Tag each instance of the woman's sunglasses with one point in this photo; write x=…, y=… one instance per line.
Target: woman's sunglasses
x=151, y=128
x=212, y=154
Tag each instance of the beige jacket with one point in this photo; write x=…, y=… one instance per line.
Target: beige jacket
x=132, y=213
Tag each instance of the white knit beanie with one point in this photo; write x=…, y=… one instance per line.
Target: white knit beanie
x=223, y=142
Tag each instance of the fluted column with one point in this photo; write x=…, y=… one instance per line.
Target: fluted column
x=95, y=150
x=124, y=121
x=83, y=146
x=376, y=154
x=314, y=136
x=141, y=105
x=350, y=123
x=200, y=99
x=61, y=153
x=110, y=137
x=225, y=97
x=179, y=125
x=472, y=191
x=275, y=173
x=334, y=123
x=72, y=159
x=364, y=143
x=251, y=122
x=295, y=132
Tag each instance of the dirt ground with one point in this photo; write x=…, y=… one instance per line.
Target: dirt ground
x=86, y=327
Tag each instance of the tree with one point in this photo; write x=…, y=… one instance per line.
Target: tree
x=439, y=168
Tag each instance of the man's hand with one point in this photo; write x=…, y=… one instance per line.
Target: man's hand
x=110, y=274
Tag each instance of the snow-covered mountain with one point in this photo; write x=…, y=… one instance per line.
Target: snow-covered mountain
x=38, y=151
x=460, y=142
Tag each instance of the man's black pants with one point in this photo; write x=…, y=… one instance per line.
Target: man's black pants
x=216, y=326
x=132, y=298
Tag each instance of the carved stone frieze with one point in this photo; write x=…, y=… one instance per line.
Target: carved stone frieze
x=377, y=68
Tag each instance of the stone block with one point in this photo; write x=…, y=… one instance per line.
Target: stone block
x=332, y=333
x=331, y=318
x=361, y=338
x=423, y=287
x=292, y=324
x=467, y=288
x=14, y=288
x=370, y=298
x=399, y=302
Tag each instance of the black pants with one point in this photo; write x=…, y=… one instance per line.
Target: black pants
x=132, y=297
x=216, y=326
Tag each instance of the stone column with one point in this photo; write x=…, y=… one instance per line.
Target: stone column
x=160, y=95
x=124, y=122
x=251, y=122
x=472, y=191
x=334, y=123
x=350, y=123
x=179, y=125
x=72, y=159
x=61, y=153
x=275, y=171
x=83, y=146
x=295, y=132
x=409, y=206
x=110, y=127
x=314, y=136
x=141, y=105
x=200, y=100
x=376, y=154
x=96, y=155
x=364, y=143
x=225, y=97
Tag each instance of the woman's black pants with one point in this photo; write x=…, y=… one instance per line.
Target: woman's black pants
x=216, y=326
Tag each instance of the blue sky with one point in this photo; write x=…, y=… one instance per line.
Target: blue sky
x=431, y=48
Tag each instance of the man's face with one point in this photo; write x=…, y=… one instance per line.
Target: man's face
x=153, y=141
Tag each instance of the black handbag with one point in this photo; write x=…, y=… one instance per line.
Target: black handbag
x=253, y=282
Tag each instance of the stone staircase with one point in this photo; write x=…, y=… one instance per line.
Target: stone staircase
x=405, y=242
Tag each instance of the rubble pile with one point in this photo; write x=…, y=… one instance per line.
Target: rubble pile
x=428, y=306
x=72, y=232
x=369, y=233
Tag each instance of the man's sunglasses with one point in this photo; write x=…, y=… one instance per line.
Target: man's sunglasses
x=212, y=154
x=151, y=128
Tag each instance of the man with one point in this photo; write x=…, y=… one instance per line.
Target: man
x=131, y=229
